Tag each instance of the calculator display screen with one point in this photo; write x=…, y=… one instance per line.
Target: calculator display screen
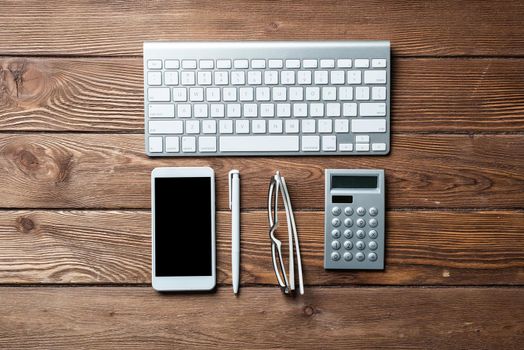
x=183, y=226
x=354, y=181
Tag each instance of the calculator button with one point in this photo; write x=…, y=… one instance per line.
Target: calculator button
x=361, y=234
x=373, y=234
x=336, y=211
x=348, y=256
x=348, y=245
x=360, y=256
x=373, y=211
x=335, y=245
x=348, y=211
x=373, y=222
x=335, y=222
x=372, y=245
x=372, y=256
x=361, y=211
x=348, y=233
x=335, y=233
x=361, y=222
x=360, y=245
x=348, y=222
x=335, y=256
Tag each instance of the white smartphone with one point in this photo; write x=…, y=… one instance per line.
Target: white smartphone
x=183, y=229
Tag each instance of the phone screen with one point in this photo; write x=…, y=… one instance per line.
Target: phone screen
x=183, y=226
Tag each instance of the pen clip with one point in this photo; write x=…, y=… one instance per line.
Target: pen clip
x=230, y=177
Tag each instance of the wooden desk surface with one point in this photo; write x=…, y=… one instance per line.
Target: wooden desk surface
x=75, y=200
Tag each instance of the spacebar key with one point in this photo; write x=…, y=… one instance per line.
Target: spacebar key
x=258, y=143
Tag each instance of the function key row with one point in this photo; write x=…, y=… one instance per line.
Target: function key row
x=361, y=211
x=271, y=63
x=335, y=256
x=360, y=234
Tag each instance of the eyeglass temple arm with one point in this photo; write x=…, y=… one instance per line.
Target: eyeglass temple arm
x=276, y=244
x=292, y=225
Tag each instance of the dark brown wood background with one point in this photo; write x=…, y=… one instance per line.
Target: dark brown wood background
x=75, y=200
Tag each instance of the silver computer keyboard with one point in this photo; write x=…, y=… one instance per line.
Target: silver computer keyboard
x=267, y=98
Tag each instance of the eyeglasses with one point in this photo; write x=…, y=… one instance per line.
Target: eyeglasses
x=287, y=283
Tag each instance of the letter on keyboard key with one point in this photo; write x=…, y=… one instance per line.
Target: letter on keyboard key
x=158, y=94
x=310, y=143
x=259, y=143
x=368, y=125
x=207, y=144
x=165, y=127
x=161, y=111
x=372, y=109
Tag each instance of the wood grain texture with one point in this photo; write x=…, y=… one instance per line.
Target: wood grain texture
x=111, y=171
x=363, y=318
x=429, y=95
x=104, y=247
x=119, y=28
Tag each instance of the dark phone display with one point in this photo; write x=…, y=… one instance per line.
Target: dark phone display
x=183, y=226
x=354, y=182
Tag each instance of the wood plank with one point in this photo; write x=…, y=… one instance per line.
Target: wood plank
x=104, y=247
x=363, y=318
x=111, y=171
x=429, y=95
x=415, y=28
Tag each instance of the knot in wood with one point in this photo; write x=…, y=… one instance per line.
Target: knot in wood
x=25, y=224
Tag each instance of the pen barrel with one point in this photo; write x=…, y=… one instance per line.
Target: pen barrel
x=235, y=231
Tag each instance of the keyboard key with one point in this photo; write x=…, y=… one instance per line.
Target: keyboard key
x=192, y=127
x=287, y=77
x=362, y=147
x=172, y=64
x=250, y=110
x=341, y=125
x=226, y=126
x=378, y=63
x=296, y=93
x=321, y=77
x=165, y=127
x=262, y=93
x=279, y=94
x=333, y=110
x=246, y=94
x=354, y=77
x=258, y=126
x=217, y=110
x=196, y=94
x=221, y=78
x=240, y=64
x=337, y=77
x=229, y=94
x=204, y=78
x=310, y=143
x=309, y=63
x=271, y=77
x=368, y=125
x=155, y=144
x=372, y=109
x=378, y=146
x=183, y=110
x=161, y=110
x=304, y=77
x=378, y=93
x=362, y=63
x=179, y=94
x=316, y=109
x=158, y=95
x=375, y=77
x=213, y=94
x=188, y=144
x=329, y=143
x=345, y=93
x=154, y=64
x=154, y=78
x=275, y=126
x=362, y=93
x=267, y=110
x=292, y=63
x=283, y=110
x=189, y=64
x=349, y=110
x=173, y=144
x=275, y=64
x=171, y=78
x=344, y=63
x=223, y=64
x=329, y=93
x=238, y=78
x=206, y=64
x=362, y=139
x=258, y=64
x=327, y=63
x=188, y=78
x=291, y=126
x=313, y=93
x=209, y=127
x=207, y=144
x=233, y=110
x=300, y=110
x=254, y=78
x=273, y=143
x=345, y=147
x=308, y=126
x=325, y=126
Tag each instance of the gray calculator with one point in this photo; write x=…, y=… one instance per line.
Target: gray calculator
x=354, y=235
